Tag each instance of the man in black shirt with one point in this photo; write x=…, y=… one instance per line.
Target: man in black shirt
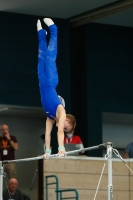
x=12, y=192
x=8, y=146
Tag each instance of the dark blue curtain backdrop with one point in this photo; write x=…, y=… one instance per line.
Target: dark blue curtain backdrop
x=109, y=74
x=18, y=60
x=104, y=80
x=79, y=81
x=110, y=61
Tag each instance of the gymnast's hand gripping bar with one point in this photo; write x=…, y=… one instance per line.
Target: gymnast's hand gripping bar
x=56, y=155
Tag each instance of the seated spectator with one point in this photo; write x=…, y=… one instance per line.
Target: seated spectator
x=12, y=192
x=128, y=151
x=70, y=138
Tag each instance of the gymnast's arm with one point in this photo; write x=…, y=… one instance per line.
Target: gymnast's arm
x=62, y=117
x=49, y=126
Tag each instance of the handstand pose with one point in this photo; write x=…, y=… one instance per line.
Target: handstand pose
x=48, y=80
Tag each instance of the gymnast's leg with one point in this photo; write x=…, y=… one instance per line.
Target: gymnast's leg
x=52, y=53
x=52, y=46
x=42, y=52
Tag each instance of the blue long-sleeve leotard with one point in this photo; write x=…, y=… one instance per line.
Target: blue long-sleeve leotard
x=47, y=71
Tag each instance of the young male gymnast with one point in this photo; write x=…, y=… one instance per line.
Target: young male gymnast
x=48, y=79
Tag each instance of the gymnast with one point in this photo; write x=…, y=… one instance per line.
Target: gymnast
x=53, y=105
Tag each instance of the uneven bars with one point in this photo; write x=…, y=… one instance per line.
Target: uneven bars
x=55, y=155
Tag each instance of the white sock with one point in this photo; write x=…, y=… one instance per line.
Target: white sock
x=39, y=26
x=48, y=21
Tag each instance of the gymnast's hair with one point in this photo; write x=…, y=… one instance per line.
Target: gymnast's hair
x=72, y=120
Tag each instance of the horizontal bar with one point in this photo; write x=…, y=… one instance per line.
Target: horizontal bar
x=55, y=155
x=23, y=160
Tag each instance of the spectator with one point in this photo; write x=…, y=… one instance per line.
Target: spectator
x=8, y=145
x=12, y=192
x=70, y=138
x=128, y=151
